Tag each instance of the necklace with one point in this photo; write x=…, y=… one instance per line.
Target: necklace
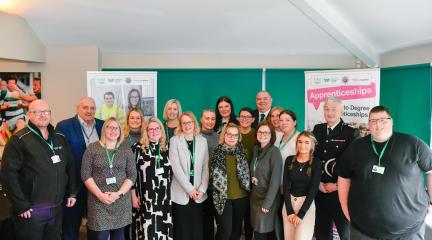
x=302, y=165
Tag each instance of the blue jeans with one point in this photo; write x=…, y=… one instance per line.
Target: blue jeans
x=114, y=234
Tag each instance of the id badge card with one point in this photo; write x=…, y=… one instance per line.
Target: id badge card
x=378, y=169
x=159, y=171
x=56, y=159
x=111, y=180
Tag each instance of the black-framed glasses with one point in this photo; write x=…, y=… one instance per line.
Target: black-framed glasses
x=380, y=121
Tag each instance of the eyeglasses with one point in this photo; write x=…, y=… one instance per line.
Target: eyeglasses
x=112, y=128
x=230, y=135
x=380, y=121
x=156, y=129
x=187, y=123
x=41, y=113
x=245, y=117
x=263, y=133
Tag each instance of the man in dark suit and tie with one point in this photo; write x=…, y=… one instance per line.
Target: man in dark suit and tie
x=263, y=104
x=80, y=131
x=333, y=136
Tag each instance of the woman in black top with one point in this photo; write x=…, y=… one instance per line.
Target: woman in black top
x=224, y=113
x=301, y=179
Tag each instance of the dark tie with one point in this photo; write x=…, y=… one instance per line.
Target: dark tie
x=329, y=130
x=262, y=117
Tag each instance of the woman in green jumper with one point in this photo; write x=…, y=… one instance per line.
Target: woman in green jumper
x=231, y=183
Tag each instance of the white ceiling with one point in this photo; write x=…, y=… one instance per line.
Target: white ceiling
x=363, y=28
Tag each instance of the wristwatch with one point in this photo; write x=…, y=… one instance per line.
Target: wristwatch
x=121, y=194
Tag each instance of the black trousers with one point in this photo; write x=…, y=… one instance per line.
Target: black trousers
x=6, y=229
x=328, y=209
x=230, y=222
x=44, y=224
x=188, y=221
x=264, y=236
x=209, y=217
x=247, y=224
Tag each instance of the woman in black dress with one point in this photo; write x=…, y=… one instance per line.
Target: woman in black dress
x=151, y=195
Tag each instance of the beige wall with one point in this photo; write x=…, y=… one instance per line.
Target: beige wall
x=408, y=56
x=18, y=41
x=121, y=60
x=63, y=76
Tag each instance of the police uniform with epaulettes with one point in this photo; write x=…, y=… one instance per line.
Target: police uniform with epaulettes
x=332, y=142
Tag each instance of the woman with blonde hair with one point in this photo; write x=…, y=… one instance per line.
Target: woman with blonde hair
x=189, y=156
x=134, y=123
x=151, y=194
x=302, y=175
x=171, y=112
x=108, y=171
x=274, y=120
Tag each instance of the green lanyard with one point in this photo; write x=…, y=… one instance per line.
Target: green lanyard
x=158, y=158
x=110, y=157
x=50, y=144
x=192, y=156
x=382, y=151
x=282, y=144
x=131, y=143
x=255, y=164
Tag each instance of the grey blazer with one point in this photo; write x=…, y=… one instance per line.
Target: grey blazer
x=266, y=193
x=179, y=156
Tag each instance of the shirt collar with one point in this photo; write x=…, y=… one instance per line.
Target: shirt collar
x=83, y=123
x=265, y=113
x=333, y=127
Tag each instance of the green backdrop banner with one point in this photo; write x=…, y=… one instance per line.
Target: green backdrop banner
x=198, y=89
x=405, y=90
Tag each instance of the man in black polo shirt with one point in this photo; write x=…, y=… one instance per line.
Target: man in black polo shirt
x=380, y=181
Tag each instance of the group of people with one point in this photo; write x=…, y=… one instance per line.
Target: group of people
x=253, y=173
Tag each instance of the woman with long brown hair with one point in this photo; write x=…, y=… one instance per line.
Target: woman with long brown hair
x=302, y=175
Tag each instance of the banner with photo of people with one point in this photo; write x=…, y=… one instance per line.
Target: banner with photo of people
x=117, y=92
x=357, y=88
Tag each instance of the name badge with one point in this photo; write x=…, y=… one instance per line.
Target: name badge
x=159, y=171
x=56, y=159
x=111, y=180
x=378, y=169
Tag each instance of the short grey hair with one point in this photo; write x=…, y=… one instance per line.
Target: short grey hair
x=333, y=100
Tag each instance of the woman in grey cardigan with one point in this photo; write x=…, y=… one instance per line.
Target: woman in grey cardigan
x=266, y=170
x=188, y=154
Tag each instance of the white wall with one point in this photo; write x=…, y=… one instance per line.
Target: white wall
x=408, y=56
x=18, y=41
x=122, y=60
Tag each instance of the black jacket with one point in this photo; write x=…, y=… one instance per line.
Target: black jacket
x=30, y=177
x=330, y=147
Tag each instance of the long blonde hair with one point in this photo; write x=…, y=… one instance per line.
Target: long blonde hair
x=145, y=142
x=313, y=140
x=126, y=128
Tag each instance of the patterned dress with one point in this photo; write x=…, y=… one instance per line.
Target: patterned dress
x=154, y=219
x=95, y=165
